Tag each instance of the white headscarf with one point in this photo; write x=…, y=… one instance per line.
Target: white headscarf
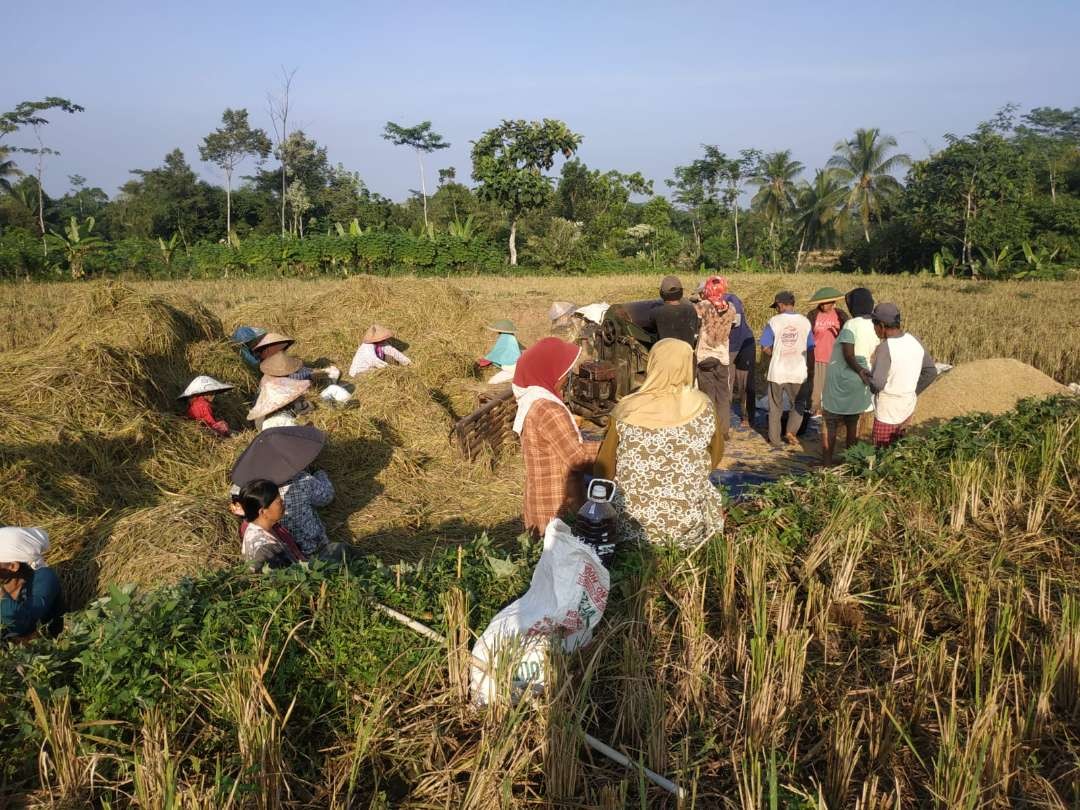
x=23, y=545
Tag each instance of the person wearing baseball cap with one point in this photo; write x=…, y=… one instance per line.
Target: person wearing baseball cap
x=676, y=318
x=786, y=340
x=903, y=369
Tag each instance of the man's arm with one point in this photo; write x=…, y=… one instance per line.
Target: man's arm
x=882, y=366
x=928, y=372
x=767, y=339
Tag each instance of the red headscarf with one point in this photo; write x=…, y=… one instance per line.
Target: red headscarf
x=715, y=290
x=545, y=363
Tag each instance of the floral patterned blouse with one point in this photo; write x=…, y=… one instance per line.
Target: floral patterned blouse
x=663, y=483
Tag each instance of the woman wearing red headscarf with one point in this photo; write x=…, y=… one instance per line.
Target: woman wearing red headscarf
x=713, y=356
x=556, y=457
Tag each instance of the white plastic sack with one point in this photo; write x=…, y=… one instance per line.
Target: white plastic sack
x=593, y=312
x=335, y=393
x=565, y=601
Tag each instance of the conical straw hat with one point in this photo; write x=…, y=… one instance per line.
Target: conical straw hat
x=275, y=394
x=560, y=308
x=377, y=334
x=272, y=338
x=204, y=384
x=505, y=327
x=280, y=365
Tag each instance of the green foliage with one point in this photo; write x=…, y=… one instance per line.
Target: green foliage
x=76, y=245
x=509, y=161
x=864, y=165
x=560, y=247
x=170, y=649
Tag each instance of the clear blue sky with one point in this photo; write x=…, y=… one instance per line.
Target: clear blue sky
x=645, y=83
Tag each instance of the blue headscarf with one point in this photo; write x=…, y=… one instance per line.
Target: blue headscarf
x=505, y=352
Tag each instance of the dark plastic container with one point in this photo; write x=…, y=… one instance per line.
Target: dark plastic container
x=596, y=520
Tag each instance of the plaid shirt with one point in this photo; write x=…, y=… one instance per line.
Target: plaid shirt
x=302, y=495
x=555, y=460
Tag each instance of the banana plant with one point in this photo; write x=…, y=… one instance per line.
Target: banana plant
x=462, y=230
x=168, y=248
x=1037, y=261
x=76, y=245
x=354, y=228
x=997, y=264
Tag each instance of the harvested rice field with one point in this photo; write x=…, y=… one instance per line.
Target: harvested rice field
x=901, y=631
x=94, y=447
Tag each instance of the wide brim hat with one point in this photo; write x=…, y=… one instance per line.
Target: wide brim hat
x=503, y=327
x=825, y=295
x=273, y=339
x=204, y=384
x=247, y=334
x=280, y=365
x=275, y=394
x=560, y=308
x=377, y=334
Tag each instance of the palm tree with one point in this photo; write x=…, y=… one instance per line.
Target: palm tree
x=865, y=167
x=818, y=209
x=775, y=177
x=7, y=169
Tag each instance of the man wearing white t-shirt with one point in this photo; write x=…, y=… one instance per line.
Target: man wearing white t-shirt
x=785, y=341
x=902, y=369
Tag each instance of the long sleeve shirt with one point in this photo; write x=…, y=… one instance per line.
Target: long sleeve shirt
x=303, y=495
x=38, y=603
x=367, y=358
x=199, y=409
x=902, y=368
x=556, y=459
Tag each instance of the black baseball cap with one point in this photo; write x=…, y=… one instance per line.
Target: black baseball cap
x=784, y=297
x=886, y=314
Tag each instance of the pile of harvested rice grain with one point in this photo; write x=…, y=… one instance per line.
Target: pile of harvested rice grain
x=982, y=386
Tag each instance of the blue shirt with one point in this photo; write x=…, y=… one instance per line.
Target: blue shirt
x=741, y=333
x=249, y=358
x=38, y=603
x=768, y=338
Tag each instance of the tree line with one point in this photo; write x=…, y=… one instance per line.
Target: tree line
x=1001, y=201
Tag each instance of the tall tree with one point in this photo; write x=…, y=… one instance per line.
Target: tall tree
x=732, y=173
x=818, y=206
x=228, y=146
x=775, y=178
x=423, y=140
x=509, y=161
x=28, y=114
x=864, y=164
x=279, y=115
x=1055, y=134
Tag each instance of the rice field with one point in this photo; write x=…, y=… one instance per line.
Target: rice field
x=901, y=632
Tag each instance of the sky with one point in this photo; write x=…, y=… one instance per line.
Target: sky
x=645, y=83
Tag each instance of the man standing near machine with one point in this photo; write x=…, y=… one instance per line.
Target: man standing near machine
x=677, y=318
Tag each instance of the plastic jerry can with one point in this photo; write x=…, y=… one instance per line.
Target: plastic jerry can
x=596, y=520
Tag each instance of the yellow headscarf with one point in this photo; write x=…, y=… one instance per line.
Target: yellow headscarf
x=667, y=398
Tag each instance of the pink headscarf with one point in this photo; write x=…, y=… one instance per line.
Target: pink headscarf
x=715, y=290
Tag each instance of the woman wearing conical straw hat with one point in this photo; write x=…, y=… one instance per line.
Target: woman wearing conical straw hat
x=280, y=402
x=375, y=351
x=826, y=321
x=199, y=395
x=661, y=445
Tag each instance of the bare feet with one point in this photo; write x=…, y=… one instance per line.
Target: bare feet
x=790, y=438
